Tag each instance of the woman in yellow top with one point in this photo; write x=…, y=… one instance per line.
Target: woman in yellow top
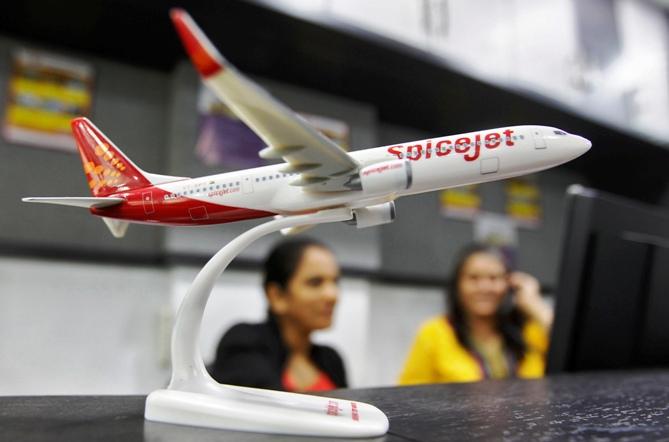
x=497, y=326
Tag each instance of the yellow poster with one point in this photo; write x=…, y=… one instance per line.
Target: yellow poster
x=523, y=201
x=461, y=202
x=45, y=92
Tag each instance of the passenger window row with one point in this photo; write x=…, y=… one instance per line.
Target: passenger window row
x=209, y=188
x=274, y=176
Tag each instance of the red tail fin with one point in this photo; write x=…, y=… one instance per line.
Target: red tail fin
x=107, y=169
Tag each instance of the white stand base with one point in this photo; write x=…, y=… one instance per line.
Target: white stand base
x=267, y=411
x=194, y=398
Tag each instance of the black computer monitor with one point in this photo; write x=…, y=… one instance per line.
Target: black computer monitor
x=612, y=297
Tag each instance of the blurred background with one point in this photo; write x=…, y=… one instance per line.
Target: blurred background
x=84, y=313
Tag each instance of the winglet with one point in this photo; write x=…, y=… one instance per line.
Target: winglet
x=202, y=52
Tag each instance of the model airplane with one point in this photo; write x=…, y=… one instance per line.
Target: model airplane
x=316, y=174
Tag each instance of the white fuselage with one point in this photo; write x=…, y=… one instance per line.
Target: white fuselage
x=436, y=163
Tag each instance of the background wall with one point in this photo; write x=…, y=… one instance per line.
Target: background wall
x=130, y=106
x=107, y=330
x=69, y=328
x=97, y=318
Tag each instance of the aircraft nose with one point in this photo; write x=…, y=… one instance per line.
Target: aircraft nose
x=572, y=146
x=567, y=146
x=584, y=143
x=581, y=145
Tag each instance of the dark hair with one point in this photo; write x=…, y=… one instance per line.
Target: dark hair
x=509, y=321
x=284, y=258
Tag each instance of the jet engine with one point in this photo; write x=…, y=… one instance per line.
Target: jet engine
x=374, y=215
x=382, y=178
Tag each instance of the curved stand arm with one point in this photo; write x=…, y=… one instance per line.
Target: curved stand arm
x=188, y=369
x=194, y=398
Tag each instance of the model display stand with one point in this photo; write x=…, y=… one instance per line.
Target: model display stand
x=194, y=398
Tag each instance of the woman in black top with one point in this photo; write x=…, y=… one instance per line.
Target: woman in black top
x=302, y=284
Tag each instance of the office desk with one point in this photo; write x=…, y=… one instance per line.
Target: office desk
x=611, y=405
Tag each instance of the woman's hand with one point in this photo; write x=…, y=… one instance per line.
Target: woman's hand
x=528, y=298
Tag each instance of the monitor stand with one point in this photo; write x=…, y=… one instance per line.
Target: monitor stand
x=194, y=398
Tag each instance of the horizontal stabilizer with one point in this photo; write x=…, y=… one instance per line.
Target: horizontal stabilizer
x=76, y=201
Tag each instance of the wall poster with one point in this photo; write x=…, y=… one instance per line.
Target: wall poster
x=45, y=91
x=462, y=202
x=523, y=201
x=224, y=140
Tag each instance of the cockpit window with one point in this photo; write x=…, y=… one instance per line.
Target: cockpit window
x=559, y=132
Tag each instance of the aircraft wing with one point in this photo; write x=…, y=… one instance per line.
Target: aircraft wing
x=321, y=164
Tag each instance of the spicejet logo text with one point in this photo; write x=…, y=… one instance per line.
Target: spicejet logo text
x=471, y=149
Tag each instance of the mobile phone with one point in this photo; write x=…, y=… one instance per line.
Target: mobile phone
x=507, y=305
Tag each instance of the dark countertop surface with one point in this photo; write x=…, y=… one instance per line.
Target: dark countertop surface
x=589, y=406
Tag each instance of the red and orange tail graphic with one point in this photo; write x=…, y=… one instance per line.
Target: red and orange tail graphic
x=107, y=169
